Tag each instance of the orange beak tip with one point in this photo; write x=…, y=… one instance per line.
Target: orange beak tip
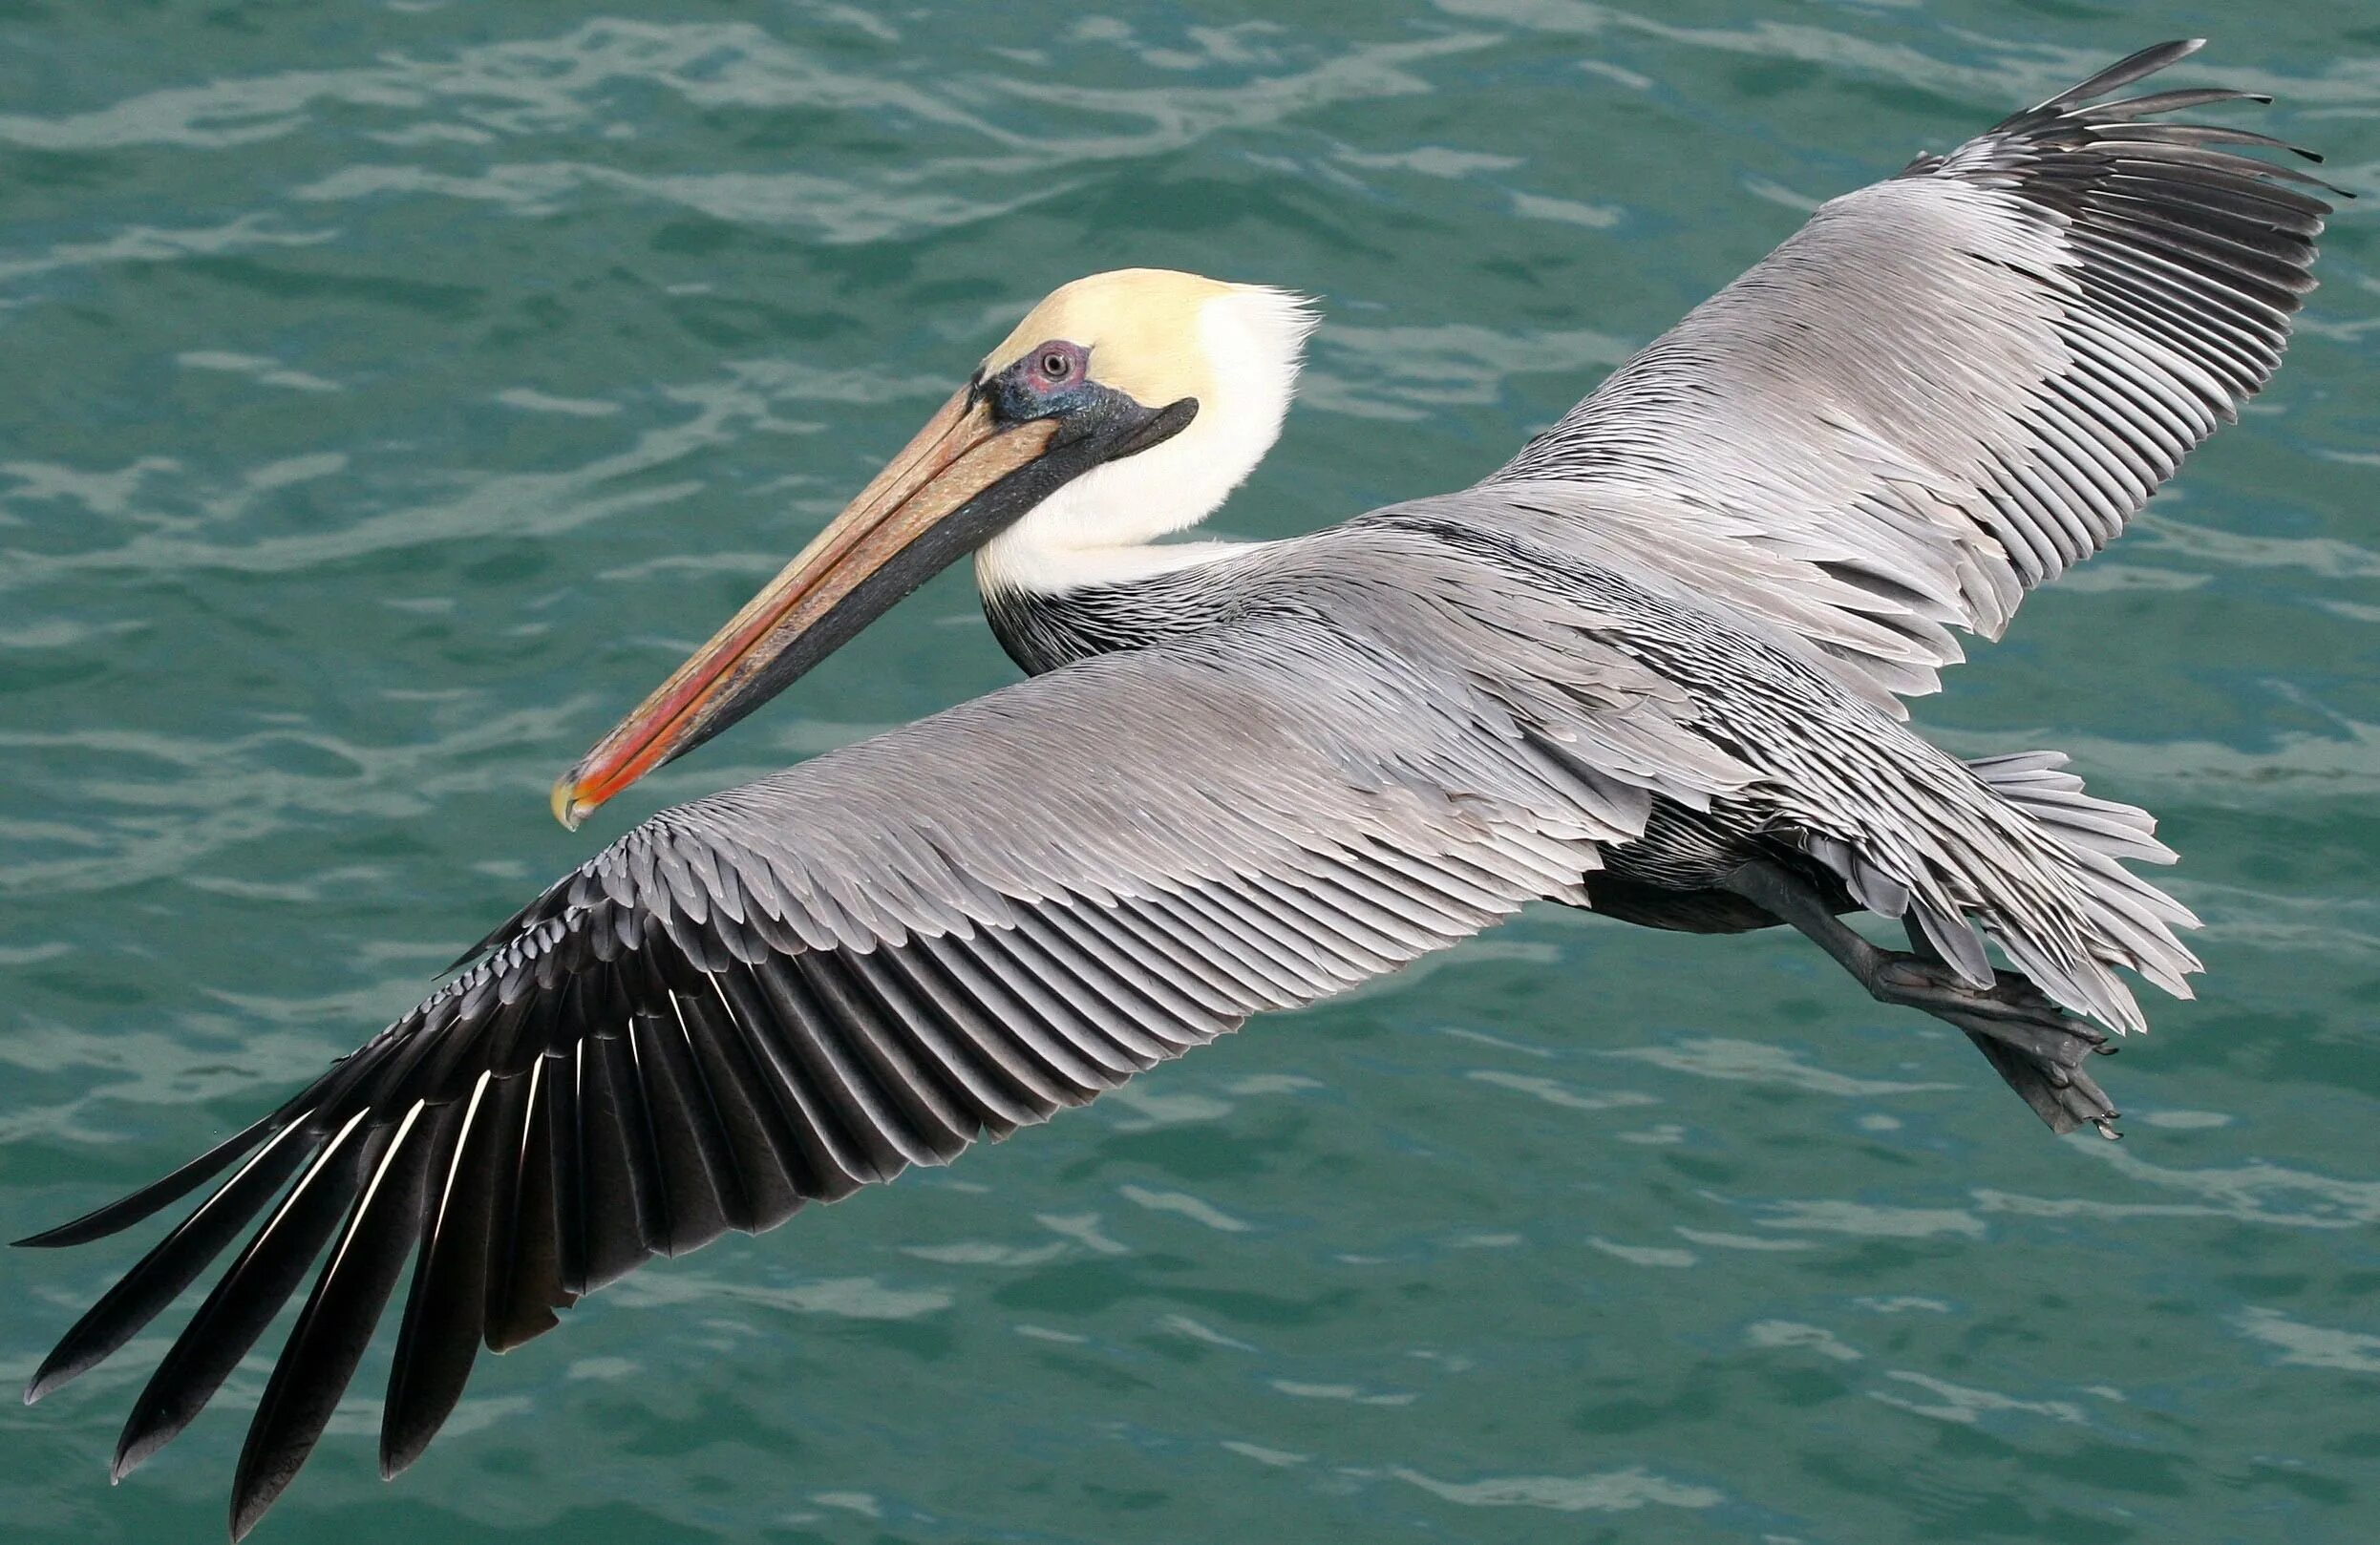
x=567, y=806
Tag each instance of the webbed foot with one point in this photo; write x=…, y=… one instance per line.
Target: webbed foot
x=2037, y=1047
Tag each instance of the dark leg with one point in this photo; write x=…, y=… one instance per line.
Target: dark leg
x=2030, y=1041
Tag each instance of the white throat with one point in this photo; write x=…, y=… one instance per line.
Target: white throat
x=1103, y=527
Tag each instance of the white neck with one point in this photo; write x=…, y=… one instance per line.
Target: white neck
x=1103, y=527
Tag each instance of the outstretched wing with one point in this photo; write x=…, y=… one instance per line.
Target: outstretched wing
x=794, y=988
x=1948, y=387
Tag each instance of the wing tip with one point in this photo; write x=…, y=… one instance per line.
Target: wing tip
x=111, y=1217
x=140, y=1439
x=248, y=1510
x=268, y=1465
x=56, y=1372
x=97, y=1224
x=51, y=1239
x=2132, y=67
x=396, y=1461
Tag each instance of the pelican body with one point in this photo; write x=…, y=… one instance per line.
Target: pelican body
x=1655, y=666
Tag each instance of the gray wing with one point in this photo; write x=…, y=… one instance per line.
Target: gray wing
x=797, y=988
x=1947, y=387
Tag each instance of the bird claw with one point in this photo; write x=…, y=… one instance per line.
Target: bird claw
x=2038, y=1048
x=2060, y=1093
x=2086, y=1100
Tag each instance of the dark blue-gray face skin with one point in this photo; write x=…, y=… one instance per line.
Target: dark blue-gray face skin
x=1045, y=382
x=1053, y=381
x=1096, y=424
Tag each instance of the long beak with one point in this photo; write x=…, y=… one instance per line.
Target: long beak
x=895, y=536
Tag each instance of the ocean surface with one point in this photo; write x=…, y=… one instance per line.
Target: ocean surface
x=393, y=392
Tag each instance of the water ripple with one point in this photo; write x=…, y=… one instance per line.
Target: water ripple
x=1618, y=1490
x=404, y=389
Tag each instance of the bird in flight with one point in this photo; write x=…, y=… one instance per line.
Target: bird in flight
x=1652, y=666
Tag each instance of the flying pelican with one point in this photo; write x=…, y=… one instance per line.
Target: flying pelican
x=1652, y=666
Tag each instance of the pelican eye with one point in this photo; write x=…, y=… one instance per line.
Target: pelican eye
x=1056, y=367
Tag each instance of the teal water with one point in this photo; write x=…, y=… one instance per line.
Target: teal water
x=395, y=393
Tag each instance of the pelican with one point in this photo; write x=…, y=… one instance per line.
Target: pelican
x=1653, y=666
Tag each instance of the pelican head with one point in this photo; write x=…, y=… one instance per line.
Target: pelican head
x=1123, y=408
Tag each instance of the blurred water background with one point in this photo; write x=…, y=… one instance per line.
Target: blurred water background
x=392, y=392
